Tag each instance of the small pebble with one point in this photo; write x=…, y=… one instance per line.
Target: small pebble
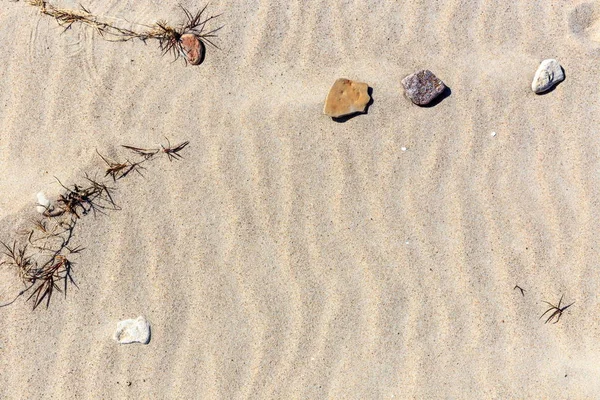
x=403, y=148
x=43, y=203
x=133, y=331
x=493, y=134
x=423, y=87
x=548, y=74
x=194, y=48
x=346, y=97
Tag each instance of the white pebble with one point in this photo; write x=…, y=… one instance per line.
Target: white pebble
x=493, y=134
x=133, y=331
x=548, y=74
x=403, y=148
x=43, y=203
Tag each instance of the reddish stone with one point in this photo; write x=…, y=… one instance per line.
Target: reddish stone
x=193, y=48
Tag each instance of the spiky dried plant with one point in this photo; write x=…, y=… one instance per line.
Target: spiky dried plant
x=168, y=37
x=42, y=258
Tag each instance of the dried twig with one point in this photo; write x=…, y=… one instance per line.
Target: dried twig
x=173, y=152
x=168, y=37
x=558, y=310
x=43, y=257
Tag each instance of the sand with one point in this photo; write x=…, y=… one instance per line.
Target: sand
x=288, y=256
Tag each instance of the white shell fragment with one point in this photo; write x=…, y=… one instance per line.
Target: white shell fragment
x=43, y=203
x=133, y=331
x=548, y=74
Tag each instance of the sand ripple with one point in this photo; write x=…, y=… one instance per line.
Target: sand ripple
x=289, y=256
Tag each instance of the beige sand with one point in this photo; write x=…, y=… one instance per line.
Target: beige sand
x=292, y=257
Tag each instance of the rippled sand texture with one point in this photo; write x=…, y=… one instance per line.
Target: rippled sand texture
x=292, y=257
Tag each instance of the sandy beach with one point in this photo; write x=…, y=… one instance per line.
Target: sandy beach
x=289, y=256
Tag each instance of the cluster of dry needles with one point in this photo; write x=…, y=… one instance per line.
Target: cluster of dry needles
x=42, y=255
x=557, y=311
x=168, y=37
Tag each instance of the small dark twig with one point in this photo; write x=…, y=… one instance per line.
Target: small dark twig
x=146, y=153
x=21, y=293
x=521, y=289
x=558, y=310
x=173, y=152
x=119, y=170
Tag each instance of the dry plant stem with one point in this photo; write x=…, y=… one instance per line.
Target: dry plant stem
x=66, y=18
x=95, y=197
x=169, y=38
x=521, y=289
x=42, y=256
x=17, y=257
x=558, y=310
x=117, y=170
x=49, y=265
x=172, y=152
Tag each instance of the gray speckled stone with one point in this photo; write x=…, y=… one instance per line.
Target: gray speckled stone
x=423, y=87
x=133, y=331
x=548, y=74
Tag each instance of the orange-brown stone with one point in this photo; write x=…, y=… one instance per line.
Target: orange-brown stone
x=346, y=97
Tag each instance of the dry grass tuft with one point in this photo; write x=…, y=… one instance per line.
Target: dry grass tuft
x=42, y=256
x=168, y=37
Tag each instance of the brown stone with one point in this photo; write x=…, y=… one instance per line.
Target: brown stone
x=193, y=48
x=346, y=97
x=423, y=87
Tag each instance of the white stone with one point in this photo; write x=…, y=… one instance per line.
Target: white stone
x=548, y=74
x=403, y=148
x=43, y=203
x=133, y=331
